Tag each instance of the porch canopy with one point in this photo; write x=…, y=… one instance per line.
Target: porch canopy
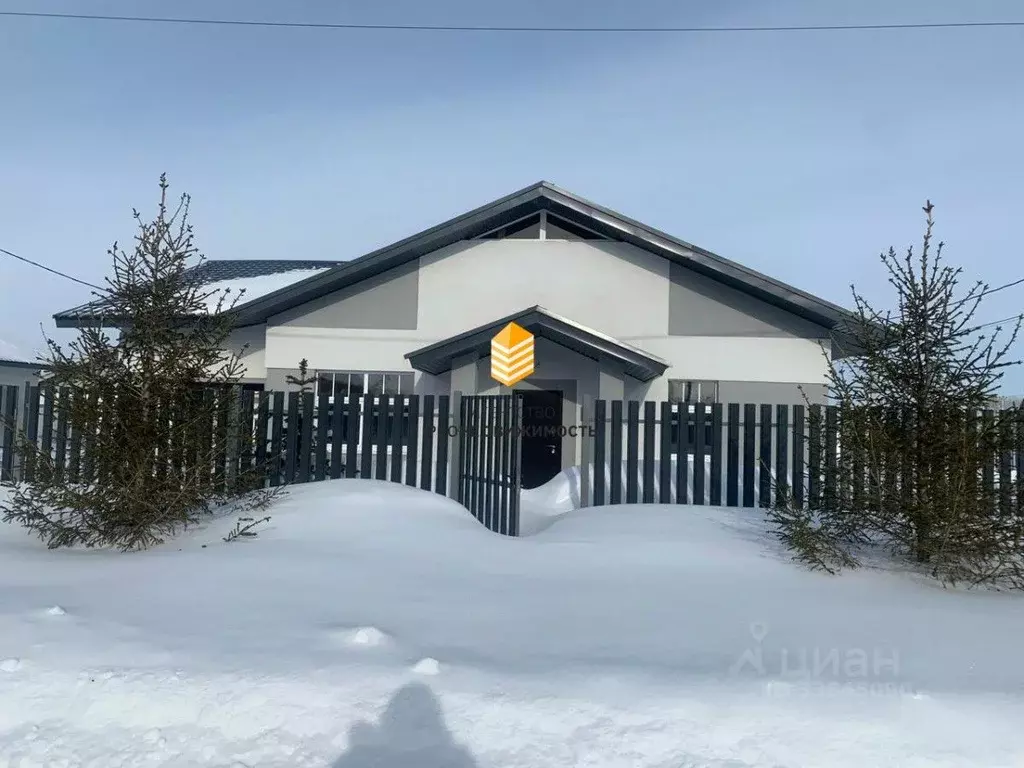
x=437, y=358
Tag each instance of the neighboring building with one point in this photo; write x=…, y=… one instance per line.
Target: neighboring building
x=620, y=311
x=16, y=369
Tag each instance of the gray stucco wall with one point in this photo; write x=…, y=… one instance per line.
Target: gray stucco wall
x=700, y=306
x=772, y=392
x=389, y=301
x=11, y=375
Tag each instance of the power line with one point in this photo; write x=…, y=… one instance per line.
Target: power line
x=999, y=288
x=471, y=28
x=49, y=269
x=999, y=322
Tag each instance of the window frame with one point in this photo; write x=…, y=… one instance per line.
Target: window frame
x=403, y=391
x=685, y=402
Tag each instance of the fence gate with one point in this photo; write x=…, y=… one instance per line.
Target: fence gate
x=489, y=453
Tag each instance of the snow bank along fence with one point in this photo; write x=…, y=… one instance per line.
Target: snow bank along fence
x=470, y=447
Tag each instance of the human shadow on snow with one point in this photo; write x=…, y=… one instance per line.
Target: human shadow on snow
x=411, y=733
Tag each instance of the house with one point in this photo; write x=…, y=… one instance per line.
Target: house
x=618, y=309
x=16, y=369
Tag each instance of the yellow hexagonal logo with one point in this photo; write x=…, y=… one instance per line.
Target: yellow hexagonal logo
x=511, y=355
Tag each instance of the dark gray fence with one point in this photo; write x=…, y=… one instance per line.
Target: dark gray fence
x=468, y=448
x=747, y=455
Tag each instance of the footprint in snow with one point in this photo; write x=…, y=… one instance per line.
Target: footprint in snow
x=10, y=665
x=56, y=611
x=364, y=637
x=427, y=666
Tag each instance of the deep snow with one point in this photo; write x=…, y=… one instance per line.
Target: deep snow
x=373, y=624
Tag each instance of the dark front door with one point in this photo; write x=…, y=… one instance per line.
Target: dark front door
x=541, y=436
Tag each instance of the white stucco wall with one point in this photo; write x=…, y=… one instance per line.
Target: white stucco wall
x=612, y=287
x=471, y=284
x=254, y=356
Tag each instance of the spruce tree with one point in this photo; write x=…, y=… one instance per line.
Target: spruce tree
x=153, y=442
x=917, y=450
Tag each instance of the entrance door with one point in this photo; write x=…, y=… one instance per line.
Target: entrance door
x=541, y=436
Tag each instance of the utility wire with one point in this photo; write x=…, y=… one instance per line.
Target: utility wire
x=999, y=322
x=471, y=28
x=49, y=269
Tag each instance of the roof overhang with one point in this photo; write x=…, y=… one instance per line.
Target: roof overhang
x=25, y=364
x=437, y=358
x=537, y=197
x=547, y=197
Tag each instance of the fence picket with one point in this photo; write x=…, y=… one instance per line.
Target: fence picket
x=293, y=436
x=715, y=486
x=412, y=441
x=615, y=454
x=814, y=473
x=749, y=456
x=798, y=456
x=277, y=439
x=8, y=426
x=338, y=407
x=304, y=448
x=430, y=429
x=323, y=426
x=782, y=485
x=32, y=403
x=665, y=454
x=600, y=464
x=441, y=467
x=682, y=443
x=650, y=425
x=632, y=450
x=732, y=460
x=831, y=453
x=260, y=432
x=700, y=451
x=398, y=432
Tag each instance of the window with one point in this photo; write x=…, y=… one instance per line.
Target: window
x=345, y=384
x=542, y=225
x=524, y=229
x=686, y=393
x=560, y=229
x=342, y=384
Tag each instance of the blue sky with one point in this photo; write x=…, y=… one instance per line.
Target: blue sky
x=802, y=155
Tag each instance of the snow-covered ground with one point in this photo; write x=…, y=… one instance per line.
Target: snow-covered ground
x=371, y=624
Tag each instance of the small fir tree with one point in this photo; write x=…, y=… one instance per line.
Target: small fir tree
x=153, y=442
x=917, y=450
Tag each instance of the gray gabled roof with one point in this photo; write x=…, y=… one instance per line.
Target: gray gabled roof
x=537, y=197
x=212, y=271
x=543, y=196
x=26, y=364
x=437, y=358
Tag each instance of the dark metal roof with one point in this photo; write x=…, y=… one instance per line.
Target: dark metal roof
x=27, y=364
x=545, y=196
x=213, y=271
x=437, y=358
x=540, y=196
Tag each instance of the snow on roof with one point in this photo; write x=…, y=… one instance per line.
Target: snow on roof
x=247, y=289
x=10, y=353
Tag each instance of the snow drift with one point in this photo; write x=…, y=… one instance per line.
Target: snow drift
x=374, y=622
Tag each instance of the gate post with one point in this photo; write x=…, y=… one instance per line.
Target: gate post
x=454, y=446
x=586, y=432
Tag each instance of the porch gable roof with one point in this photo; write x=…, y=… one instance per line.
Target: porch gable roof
x=437, y=358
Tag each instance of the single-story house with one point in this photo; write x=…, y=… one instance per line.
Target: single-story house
x=618, y=309
x=16, y=369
